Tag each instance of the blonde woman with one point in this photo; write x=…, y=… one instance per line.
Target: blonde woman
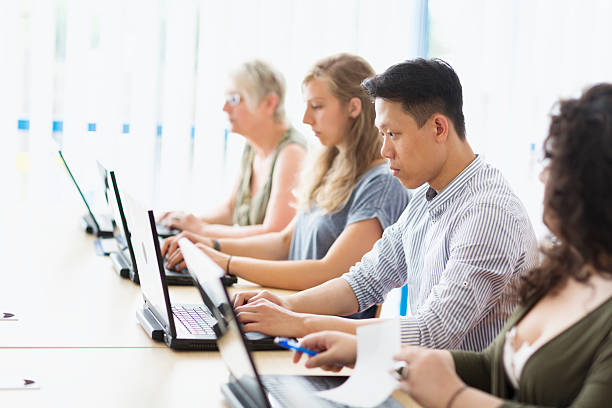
x=346, y=198
x=271, y=161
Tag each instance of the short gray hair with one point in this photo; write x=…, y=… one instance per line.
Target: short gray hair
x=260, y=79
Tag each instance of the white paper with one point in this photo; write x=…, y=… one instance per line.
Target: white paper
x=370, y=383
x=9, y=383
x=8, y=316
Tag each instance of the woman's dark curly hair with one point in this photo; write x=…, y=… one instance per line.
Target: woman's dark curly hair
x=578, y=197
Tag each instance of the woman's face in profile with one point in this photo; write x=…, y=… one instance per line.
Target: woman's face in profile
x=327, y=115
x=238, y=113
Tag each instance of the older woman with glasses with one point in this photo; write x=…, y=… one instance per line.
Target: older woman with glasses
x=271, y=161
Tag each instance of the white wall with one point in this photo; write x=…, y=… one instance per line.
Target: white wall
x=515, y=60
x=164, y=62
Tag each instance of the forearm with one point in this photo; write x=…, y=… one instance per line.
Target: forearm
x=313, y=323
x=271, y=246
x=334, y=297
x=232, y=231
x=221, y=215
x=295, y=275
x=472, y=397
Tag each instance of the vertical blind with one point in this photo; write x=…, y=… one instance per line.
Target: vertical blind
x=139, y=84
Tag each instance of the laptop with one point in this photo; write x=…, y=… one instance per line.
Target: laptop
x=162, y=230
x=248, y=389
x=124, y=260
x=101, y=225
x=180, y=326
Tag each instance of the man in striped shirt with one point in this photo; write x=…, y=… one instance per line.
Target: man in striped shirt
x=460, y=244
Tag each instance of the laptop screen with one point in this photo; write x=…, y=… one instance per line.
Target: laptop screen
x=78, y=188
x=206, y=275
x=230, y=340
x=114, y=200
x=104, y=175
x=145, y=244
x=237, y=358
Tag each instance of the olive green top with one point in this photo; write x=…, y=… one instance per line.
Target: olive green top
x=251, y=210
x=573, y=369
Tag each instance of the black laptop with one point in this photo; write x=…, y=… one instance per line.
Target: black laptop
x=99, y=225
x=180, y=326
x=123, y=260
x=247, y=389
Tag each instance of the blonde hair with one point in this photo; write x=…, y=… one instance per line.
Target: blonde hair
x=259, y=79
x=329, y=181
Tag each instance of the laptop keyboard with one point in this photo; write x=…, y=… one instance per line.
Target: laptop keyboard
x=196, y=320
x=288, y=390
x=293, y=391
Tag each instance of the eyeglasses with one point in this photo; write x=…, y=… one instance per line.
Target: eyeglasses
x=233, y=99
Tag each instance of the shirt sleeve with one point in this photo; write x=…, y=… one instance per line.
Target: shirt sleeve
x=474, y=368
x=484, y=249
x=381, y=269
x=382, y=197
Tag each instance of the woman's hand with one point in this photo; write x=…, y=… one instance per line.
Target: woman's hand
x=269, y=318
x=334, y=350
x=429, y=376
x=171, y=252
x=242, y=298
x=181, y=220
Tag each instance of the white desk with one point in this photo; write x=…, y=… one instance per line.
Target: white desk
x=77, y=334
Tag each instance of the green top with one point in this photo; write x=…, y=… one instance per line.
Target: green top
x=573, y=369
x=251, y=210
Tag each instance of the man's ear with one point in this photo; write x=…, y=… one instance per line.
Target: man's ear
x=269, y=103
x=354, y=107
x=440, y=125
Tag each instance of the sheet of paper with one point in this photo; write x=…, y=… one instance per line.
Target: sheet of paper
x=9, y=383
x=370, y=384
x=8, y=316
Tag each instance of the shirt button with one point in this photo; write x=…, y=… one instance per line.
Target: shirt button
x=465, y=284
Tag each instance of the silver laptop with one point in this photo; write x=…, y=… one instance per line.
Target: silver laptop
x=180, y=326
x=99, y=225
x=246, y=388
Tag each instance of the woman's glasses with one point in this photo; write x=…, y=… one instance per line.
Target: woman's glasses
x=233, y=99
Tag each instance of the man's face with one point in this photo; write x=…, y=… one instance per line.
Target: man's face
x=415, y=154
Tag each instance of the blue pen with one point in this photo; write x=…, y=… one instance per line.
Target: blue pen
x=291, y=344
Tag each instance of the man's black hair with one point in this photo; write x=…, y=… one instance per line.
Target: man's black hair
x=424, y=87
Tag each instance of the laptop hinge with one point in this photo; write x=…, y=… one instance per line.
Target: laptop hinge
x=120, y=265
x=150, y=325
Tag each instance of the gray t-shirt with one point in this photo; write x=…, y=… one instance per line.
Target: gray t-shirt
x=377, y=194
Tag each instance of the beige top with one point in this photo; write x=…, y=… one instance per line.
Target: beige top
x=251, y=210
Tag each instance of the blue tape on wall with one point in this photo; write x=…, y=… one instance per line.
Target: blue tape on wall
x=58, y=126
x=23, y=124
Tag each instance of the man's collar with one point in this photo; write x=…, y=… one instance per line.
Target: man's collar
x=435, y=199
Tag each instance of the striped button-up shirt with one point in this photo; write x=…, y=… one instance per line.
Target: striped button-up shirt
x=460, y=252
